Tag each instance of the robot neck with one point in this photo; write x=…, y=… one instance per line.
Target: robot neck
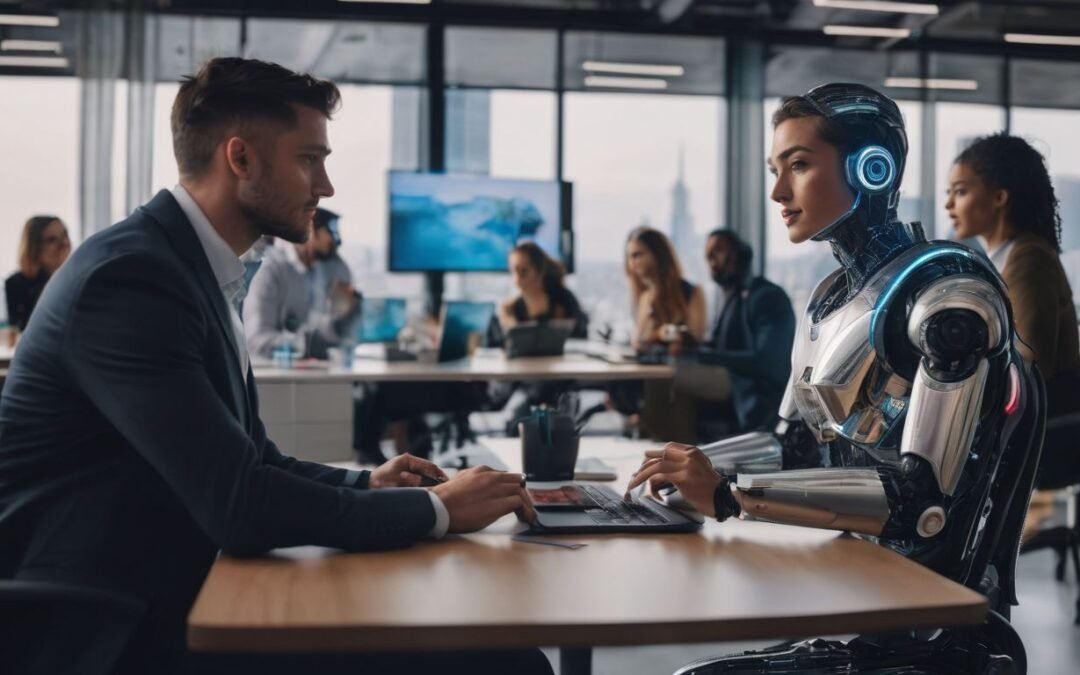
x=867, y=238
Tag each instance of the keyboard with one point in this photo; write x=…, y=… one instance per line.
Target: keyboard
x=611, y=509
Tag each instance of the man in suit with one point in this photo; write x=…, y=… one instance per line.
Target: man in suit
x=751, y=339
x=131, y=449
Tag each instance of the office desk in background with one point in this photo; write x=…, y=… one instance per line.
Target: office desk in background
x=733, y=581
x=308, y=412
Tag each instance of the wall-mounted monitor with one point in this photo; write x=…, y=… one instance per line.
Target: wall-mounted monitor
x=460, y=223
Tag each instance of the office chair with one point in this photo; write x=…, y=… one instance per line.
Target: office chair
x=1062, y=432
x=48, y=628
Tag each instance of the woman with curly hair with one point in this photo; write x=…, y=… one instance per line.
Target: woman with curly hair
x=999, y=191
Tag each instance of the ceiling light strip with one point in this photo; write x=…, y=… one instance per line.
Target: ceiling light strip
x=625, y=82
x=31, y=46
x=1038, y=39
x=880, y=6
x=29, y=20
x=656, y=70
x=33, y=62
x=931, y=83
x=867, y=31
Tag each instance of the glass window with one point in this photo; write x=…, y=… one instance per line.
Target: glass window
x=363, y=136
x=1053, y=133
x=500, y=58
x=684, y=65
x=639, y=159
x=39, y=174
x=343, y=51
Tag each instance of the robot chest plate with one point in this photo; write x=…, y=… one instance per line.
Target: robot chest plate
x=840, y=386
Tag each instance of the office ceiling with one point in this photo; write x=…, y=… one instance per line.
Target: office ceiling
x=386, y=42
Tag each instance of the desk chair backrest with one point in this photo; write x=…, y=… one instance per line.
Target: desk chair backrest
x=1010, y=495
x=48, y=628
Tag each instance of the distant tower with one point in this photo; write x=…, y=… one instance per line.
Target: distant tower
x=683, y=237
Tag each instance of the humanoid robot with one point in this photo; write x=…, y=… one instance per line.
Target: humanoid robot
x=909, y=417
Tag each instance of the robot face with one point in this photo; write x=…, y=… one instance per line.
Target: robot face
x=811, y=186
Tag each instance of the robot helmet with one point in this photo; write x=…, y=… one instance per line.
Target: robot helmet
x=877, y=146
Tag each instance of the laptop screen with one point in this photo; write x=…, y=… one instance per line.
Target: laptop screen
x=381, y=319
x=461, y=321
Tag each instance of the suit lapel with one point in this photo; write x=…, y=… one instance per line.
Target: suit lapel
x=164, y=209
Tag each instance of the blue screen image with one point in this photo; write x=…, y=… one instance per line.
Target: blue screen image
x=468, y=223
x=381, y=319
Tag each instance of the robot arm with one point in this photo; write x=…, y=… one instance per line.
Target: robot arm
x=955, y=324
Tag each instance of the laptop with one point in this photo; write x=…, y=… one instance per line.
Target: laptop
x=582, y=508
x=533, y=338
x=381, y=319
x=463, y=325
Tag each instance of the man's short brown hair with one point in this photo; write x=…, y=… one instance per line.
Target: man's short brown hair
x=229, y=93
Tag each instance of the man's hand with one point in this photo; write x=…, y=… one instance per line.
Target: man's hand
x=405, y=471
x=343, y=299
x=477, y=497
x=685, y=467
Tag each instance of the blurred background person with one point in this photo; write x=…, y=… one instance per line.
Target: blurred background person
x=43, y=248
x=739, y=373
x=669, y=318
x=330, y=270
x=282, y=306
x=542, y=296
x=999, y=191
x=542, y=293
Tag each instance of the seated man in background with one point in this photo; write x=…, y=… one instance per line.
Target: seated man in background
x=741, y=370
x=292, y=301
x=332, y=276
x=131, y=446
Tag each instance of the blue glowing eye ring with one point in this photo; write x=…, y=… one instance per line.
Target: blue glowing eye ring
x=871, y=170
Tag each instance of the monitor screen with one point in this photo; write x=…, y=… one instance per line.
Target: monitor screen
x=381, y=319
x=441, y=222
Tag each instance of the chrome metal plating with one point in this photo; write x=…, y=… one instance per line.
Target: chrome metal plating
x=941, y=423
x=962, y=291
x=837, y=499
x=746, y=453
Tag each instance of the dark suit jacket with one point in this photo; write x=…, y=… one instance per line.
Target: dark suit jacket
x=131, y=448
x=752, y=338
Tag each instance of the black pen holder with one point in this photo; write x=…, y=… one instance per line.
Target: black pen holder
x=549, y=446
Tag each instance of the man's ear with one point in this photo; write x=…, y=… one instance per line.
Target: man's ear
x=238, y=157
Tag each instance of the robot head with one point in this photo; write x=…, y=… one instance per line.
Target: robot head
x=868, y=130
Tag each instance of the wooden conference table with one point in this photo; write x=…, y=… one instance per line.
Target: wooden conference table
x=732, y=581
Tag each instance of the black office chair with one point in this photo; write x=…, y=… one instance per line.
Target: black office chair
x=1060, y=468
x=48, y=628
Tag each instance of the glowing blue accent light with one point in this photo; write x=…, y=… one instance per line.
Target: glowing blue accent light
x=871, y=169
x=886, y=296
x=855, y=107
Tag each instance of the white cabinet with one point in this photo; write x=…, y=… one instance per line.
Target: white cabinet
x=309, y=420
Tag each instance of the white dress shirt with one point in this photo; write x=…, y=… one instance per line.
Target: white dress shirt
x=229, y=273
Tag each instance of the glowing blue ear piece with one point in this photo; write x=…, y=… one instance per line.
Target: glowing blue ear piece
x=871, y=170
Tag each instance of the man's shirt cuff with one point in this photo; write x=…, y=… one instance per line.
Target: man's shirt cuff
x=442, y=517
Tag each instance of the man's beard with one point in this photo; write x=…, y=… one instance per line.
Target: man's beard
x=724, y=278
x=256, y=205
